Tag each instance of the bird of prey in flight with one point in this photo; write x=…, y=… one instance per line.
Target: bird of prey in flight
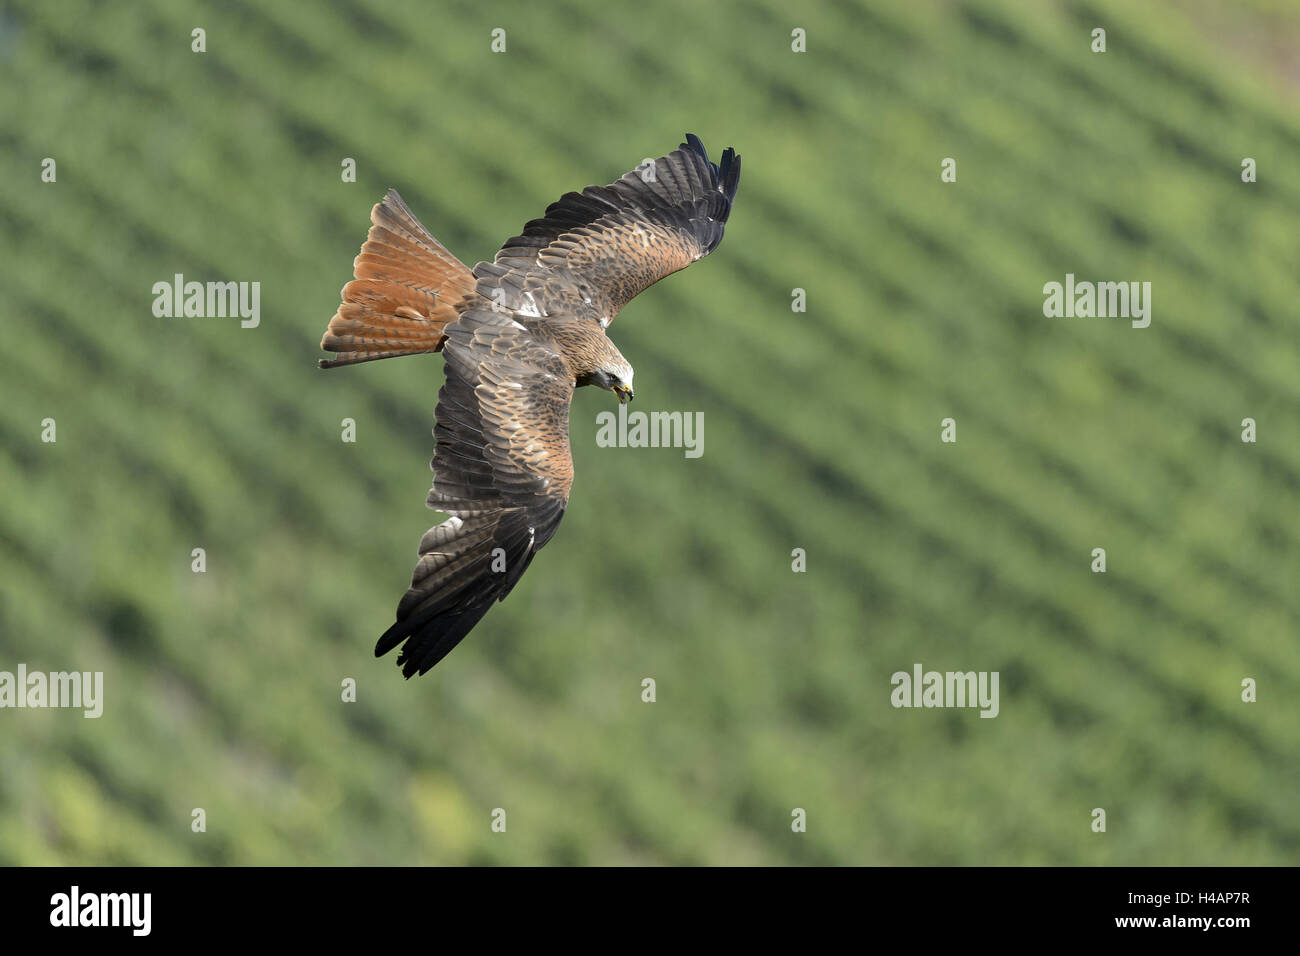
x=518, y=335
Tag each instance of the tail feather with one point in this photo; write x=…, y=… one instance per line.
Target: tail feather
x=408, y=287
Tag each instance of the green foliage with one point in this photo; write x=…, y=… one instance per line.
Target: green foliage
x=1118, y=690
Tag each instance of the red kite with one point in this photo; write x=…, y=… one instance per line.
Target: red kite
x=519, y=334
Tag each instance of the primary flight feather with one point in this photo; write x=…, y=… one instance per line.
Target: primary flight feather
x=519, y=334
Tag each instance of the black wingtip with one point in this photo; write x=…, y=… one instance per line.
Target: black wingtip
x=728, y=174
x=391, y=638
x=429, y=636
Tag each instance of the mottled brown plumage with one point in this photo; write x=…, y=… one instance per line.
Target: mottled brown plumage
x=519, y=334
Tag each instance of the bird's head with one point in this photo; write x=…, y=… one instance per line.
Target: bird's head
x=616, y=377
x=605, y=366
x=608, y=369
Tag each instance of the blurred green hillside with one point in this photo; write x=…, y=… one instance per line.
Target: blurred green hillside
x=1118, y=690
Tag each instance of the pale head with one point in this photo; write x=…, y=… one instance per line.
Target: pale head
x=610, y=371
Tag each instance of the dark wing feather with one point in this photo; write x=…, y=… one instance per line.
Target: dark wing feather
x=502, y=471
x=595, y=250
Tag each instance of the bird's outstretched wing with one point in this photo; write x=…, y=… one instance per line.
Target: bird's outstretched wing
x=502, y=471
x=595, y=250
